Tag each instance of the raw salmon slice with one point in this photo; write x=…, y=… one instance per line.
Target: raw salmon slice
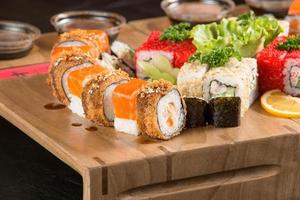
x=56, y=51
x=295, y=8
x=124, y=99
x=77, y=78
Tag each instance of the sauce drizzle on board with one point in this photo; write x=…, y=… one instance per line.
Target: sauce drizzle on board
x=54, y=106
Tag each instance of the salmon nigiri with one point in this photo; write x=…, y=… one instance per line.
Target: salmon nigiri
x=124, y=100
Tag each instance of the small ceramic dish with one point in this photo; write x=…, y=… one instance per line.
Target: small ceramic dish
x=107, y=21
x=16, y=38
x=197, y=11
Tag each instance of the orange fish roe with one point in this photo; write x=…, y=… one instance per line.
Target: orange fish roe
x=124, y=98
x=76, y=78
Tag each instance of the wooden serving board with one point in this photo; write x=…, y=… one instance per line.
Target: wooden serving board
x=259, y=160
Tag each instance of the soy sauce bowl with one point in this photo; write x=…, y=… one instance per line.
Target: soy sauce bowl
x=197, y=11
x=109, y=22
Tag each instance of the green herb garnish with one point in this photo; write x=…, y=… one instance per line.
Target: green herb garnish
x=178, y=32
x=217, y=57
x=291, y=43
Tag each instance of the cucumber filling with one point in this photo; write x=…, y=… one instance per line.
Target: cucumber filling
x=159, y=67
x=219, y=89
x=295, y=77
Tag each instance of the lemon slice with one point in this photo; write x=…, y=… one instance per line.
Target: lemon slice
x=279, y=104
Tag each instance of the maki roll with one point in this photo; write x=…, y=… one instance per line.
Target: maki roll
x=160, y=58
x=124, y=52
x=124, y=100
x=96, y=38
x=190, y=79
x=279, y=66
x=291, y=73
x=235, y=79
x=160, y=110
x=97, y=96
x=70, y=45
x=225, y=112
x=270, y=63
x=196, y=112
x=68, y=74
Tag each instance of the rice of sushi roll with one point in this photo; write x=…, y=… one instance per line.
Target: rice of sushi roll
x=225, y=112
x=235, y=79
x=68, y=74
x=190, y=79
x=160, y=110
x=124, y=100
x=97, y=38
x=97, y=96
x=196, y=112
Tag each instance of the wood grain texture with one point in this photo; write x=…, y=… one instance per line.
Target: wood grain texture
x=258, y=160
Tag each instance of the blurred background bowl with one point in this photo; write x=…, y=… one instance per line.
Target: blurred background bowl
x=16, y=38
x=110, y=22
x=197, y=11
x=279, y=8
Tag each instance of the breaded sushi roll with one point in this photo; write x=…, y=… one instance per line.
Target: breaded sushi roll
x=161, y=111
x=97, y=96
x=124, y=100
x=68, y=74
x=69, y=45
x=99, y=39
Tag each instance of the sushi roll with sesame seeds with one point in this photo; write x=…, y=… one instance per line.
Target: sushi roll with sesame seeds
x=68, y=74
x=235, y=79
x=97, y=96
x=161, y=111
x=190, y=78
x=98, y=39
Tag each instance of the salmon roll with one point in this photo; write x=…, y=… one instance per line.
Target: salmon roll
x=124, y=100
x=68, y=74
x=161, y=111
x=97, y=38
x=69, y=45
x=97, y=96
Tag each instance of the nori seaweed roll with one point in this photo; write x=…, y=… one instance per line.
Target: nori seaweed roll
x=196, y=112
x=225, y=112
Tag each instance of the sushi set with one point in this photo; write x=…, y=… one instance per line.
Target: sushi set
x=185, y=77
x=255, y=159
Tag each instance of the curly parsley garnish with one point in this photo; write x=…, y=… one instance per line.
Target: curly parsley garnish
x=291, y=43
x=178, y=32
x=217, y=57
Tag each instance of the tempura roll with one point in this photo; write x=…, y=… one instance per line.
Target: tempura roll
x=161, y=111
x=97, y=96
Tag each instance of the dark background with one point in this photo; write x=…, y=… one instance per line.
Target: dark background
x=28, y=171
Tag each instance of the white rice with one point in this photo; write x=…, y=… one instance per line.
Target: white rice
x=168, y=106
x=71, y=43
x=76, y=105
x=126, y=126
